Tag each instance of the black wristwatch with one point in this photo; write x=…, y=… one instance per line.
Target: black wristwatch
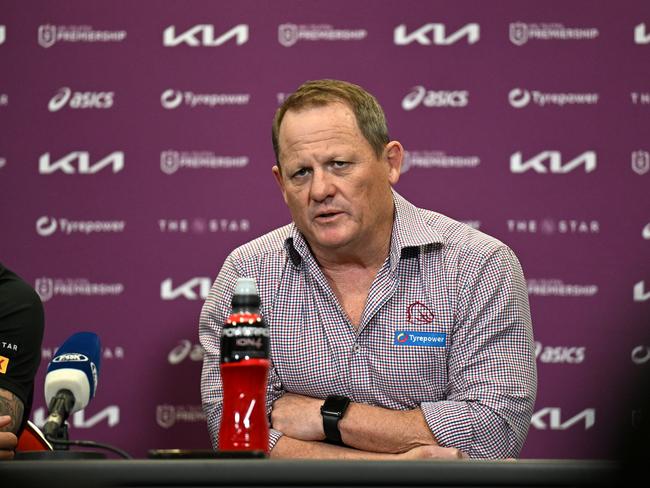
x=332, y=411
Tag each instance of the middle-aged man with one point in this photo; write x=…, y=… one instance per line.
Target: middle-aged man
x=21, y=334
x=421, y=322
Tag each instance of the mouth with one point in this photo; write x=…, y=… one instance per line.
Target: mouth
x=327, y=216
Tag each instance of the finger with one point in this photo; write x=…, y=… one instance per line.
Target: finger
x=4, y=420
x=6, y=454
x=8, y=440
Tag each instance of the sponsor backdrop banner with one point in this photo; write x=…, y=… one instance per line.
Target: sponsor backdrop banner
x=135, y=153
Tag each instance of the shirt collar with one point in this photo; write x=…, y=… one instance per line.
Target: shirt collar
x=409, y=230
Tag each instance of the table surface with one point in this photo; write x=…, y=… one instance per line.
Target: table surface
x=267, y=472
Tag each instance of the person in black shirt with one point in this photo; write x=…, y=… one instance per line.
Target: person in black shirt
x=21, y=334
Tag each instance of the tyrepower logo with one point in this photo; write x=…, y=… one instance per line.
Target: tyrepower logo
x=171, y=99
x=559, y=354
x=203, y=35
x=552, y=418
x=80, y=100
x=641, y=35
x=551, y=162
x=46, y=226
x=435, y=34
x=520, y=98
x=79, y=162
x=193, y=289
x=434, y=99
x=640, y=355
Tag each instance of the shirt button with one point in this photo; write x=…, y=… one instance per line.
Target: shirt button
x=356, y=348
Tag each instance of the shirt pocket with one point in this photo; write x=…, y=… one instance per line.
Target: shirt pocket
x=412, y=368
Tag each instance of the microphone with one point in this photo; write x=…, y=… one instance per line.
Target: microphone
x=71, y=379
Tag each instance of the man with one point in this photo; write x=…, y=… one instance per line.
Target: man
x=419, y=322
x=21, y=334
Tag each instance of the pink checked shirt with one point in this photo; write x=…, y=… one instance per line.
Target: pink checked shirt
x=446, y=328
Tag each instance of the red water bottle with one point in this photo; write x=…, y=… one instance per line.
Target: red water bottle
x=244, y=373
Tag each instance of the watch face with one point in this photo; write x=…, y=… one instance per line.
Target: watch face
x=335, y=405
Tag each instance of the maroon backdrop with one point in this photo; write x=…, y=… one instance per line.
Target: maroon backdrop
x=135, y=154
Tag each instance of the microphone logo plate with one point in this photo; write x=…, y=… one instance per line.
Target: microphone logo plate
x=71, y=357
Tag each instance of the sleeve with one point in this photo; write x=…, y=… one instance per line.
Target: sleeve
x=213, y=315
x=21, y=333
x=491, y=365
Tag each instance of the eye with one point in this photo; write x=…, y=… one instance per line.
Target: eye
x=340, y=164
x=300, y=173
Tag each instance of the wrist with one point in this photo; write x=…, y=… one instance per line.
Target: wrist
x=332, y=412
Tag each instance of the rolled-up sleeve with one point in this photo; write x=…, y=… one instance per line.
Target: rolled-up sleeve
x=491, y=366
x=216, y=310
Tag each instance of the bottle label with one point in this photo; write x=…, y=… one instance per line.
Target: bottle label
x=244, y=336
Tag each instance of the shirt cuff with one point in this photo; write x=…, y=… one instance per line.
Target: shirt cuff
x=274, y=437
x=450, y=422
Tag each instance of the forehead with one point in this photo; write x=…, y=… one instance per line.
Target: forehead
x=307, y=127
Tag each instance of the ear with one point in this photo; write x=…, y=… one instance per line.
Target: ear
x=394, y=154
x=277, y=173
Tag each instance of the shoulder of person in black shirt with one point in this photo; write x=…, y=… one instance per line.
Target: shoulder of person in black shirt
x=21, y=335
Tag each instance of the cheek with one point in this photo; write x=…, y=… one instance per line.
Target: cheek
x=295, y=202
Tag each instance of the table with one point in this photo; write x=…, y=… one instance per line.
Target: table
x=294, y=473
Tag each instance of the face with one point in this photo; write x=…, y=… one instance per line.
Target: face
x=337, y=190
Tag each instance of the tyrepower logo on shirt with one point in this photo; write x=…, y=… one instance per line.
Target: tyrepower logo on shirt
x=416, y=338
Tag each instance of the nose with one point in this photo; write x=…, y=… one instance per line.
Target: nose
x=322, y=186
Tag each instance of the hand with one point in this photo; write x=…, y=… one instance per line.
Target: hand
x=8, y=440
x=433, y=452
x=298, y=417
